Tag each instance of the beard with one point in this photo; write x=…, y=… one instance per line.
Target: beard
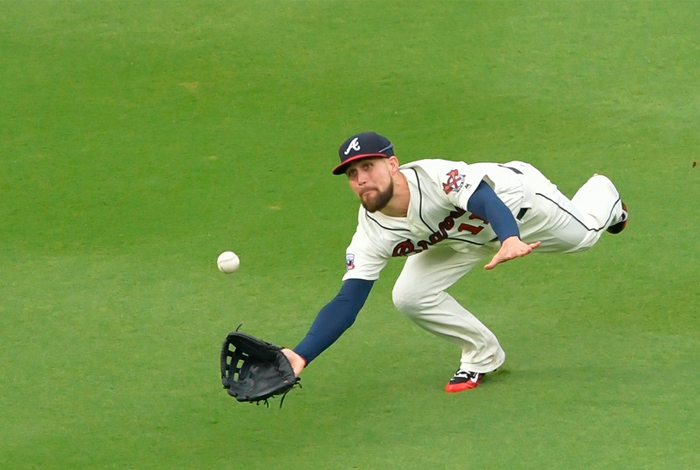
x=378, y=200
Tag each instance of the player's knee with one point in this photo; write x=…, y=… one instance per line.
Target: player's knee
x=404, y=300
x=410, y=300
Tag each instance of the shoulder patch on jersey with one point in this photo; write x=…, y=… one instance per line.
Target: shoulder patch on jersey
x=349, y=261
x=454, y=183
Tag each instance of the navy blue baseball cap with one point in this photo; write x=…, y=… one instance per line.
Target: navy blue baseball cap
x=364, y=145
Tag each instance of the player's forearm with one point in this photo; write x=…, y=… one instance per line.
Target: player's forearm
x=486, y=204
x=333, y=319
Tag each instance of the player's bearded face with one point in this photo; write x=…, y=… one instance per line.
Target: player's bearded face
x=377, y=200
x=371, y=180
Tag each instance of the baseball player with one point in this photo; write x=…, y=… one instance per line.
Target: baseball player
x=446, y=217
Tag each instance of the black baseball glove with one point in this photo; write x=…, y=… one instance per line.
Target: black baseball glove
x=253, y=370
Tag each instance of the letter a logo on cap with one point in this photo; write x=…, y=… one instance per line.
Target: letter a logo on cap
x=354, y=145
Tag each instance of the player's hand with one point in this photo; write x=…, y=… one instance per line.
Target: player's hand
x=298, y=362
x=512, y=247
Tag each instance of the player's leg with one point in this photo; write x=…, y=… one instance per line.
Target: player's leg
x=563, y=224
x=420, y=294
x=594, y=199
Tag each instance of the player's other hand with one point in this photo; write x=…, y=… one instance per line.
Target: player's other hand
x=298, y=362
x=512, y=247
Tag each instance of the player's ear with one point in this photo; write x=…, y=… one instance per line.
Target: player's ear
x=393, y=163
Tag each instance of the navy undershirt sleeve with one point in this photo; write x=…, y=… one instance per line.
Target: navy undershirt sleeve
x=333, y=319
x=489, y=207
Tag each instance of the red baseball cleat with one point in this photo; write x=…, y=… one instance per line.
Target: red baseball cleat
x=463, y=380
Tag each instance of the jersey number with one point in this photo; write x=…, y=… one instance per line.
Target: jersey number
x=473, y=229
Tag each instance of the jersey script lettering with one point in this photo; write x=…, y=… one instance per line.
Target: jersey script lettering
x=407, y=247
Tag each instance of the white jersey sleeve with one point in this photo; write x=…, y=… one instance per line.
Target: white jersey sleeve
x=367, y=254
x=456, y=180
x=459, y=180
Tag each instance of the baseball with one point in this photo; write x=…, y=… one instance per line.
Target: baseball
x=228, y=262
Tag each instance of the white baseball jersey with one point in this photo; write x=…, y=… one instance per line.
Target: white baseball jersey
x=437, y=214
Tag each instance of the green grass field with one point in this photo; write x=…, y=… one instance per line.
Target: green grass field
x=139, y=139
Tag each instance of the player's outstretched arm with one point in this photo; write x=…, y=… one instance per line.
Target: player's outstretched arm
x=512, y=247
x=330, y=323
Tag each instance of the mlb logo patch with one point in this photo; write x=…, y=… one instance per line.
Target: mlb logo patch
x=349, y=261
